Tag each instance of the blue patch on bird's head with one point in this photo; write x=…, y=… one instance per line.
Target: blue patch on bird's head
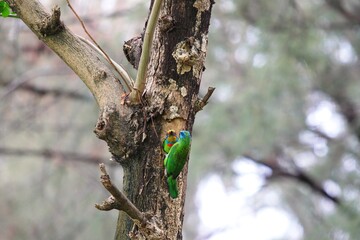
x=184, y=134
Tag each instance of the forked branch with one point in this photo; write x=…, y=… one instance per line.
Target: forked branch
x=120, y=70
x=122, y=202
x=146, y=225
x=49, y=28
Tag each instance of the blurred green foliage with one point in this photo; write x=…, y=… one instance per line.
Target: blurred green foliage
x=5, y=9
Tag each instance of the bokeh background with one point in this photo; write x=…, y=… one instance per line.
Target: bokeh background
x=275, y=154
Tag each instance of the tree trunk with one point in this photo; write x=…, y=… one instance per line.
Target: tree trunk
x=134, y=133
x=170, y=98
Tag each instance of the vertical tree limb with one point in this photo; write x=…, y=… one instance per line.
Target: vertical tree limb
x=140, y=81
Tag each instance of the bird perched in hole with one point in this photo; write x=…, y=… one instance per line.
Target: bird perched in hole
x=175, y=160
x=169, y=140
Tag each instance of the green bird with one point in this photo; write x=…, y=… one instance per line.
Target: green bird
x=175, y=161
x=169, y=140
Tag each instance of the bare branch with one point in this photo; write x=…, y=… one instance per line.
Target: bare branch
x=118, y=68
x=123, y=202
x=339, y=7
x=298, y=175
x=208, y=95
x=108, y=204
x=201, y=103
x=102, y=52
x=49, y=154
x=77, y=55
x=145, y=55
x=22, y=80
x=43, y=91
x=147, y=226
x=56, y=92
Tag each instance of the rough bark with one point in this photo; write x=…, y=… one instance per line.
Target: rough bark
x=173, y=82
x=134, y=132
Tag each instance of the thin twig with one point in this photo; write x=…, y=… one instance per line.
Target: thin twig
x=123, y=203
x=139, y=85
x=94, y=17
x=98, y=46
x=119, y=69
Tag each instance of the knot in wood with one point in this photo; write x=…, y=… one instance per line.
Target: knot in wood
x=100, y=75
x=51, y=24
x=166, y=23
x=100, y=125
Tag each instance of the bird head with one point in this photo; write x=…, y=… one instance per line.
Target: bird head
x=184, y=134
x=171, y=135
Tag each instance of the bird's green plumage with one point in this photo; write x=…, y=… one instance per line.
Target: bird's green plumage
x=169, y=140
x=176, y=159
x=172, y=187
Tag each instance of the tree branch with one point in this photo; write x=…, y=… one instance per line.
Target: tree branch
x=140, y=81
x=77, y=55
x=201, y=103
x=52, y=24
x=123, y=203
x=109, y=204
x=129, y=82
x=96, y=75
x=21, y=82
x=49, y=153
x=120, y=70
x=299, y=175
x=337, y=6
x=43, y=91
x=147, y=226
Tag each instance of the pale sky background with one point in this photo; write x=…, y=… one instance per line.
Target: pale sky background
x=229, y=214
x=236, y=218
